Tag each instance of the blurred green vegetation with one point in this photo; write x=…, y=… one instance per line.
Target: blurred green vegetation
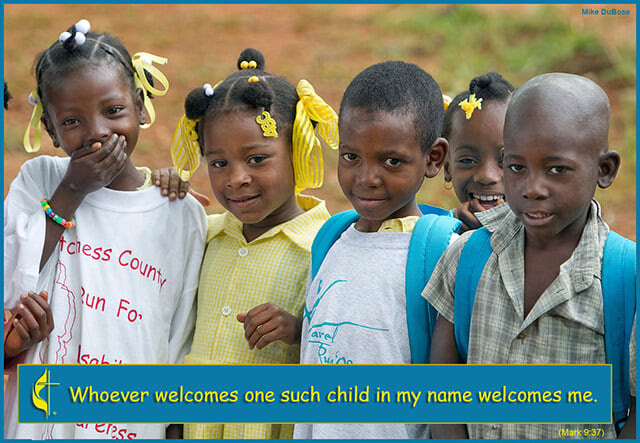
x=329, y=44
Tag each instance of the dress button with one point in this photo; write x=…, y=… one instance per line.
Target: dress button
x=522, y=335
x=226, y=311
x=242, y=252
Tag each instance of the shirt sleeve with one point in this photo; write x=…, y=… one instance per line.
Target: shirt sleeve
x=440, y=287
x=24, y=234
x=183, y=322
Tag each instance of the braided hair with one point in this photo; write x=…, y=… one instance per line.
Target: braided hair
x=236, y=93
x=77, y=47
x=396, y=86
x=489, y=87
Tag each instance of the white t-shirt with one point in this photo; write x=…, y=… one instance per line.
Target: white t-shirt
x=121, y=284
x=356, y=313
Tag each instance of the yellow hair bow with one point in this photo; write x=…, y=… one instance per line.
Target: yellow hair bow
x=185, y=150
x=470, y=104
x=307, y=152
x=143, y=61
x=34, y=123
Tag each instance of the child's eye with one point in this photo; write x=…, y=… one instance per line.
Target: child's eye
x=516, y=168
x=349, y=157
x=114, y=109
x=556, y=170
x=69, y=121
x=256, y=159
x=218, y=163
x=392, y=162
x=467, y=161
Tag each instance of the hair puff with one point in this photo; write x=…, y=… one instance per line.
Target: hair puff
x=251, y=54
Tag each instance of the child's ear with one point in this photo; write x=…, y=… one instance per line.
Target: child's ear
x=436, y=156
x=608, y=166
x=52, y=134
x=142, y=115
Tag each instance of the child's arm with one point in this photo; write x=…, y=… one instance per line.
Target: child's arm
x=267, y=323
x=444, y=351
x=31, y=324
x=174, y=431
x=91, y=168
x=172, y=186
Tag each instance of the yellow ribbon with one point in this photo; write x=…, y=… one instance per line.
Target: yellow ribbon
x=185, y=150
x=470, y=104
x=34, y=123
x=140, y=65
x=307, y=152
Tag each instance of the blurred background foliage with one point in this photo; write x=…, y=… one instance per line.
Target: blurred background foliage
x=328, y=45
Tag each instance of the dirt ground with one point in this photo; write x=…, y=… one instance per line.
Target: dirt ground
x=327, y=44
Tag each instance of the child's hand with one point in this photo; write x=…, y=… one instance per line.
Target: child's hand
x=32, y=324
x=465, y=213
x=96, y=166
x=267, y=323
x=172, y=186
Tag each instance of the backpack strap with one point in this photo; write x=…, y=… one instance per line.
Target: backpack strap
x=431, y=236
x=327, y=235
x=473, y=259
x=619, y=306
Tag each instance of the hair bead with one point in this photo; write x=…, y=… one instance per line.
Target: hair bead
x=208, y=90
x=80, y=30
x=64, y=36
x=251, y=64
x=33, y=100
x=83, y=26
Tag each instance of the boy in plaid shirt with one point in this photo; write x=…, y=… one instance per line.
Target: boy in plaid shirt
x=539, y=299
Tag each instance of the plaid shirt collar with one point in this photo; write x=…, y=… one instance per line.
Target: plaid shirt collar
x=585, y=262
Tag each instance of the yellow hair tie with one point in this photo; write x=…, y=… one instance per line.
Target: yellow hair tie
x=248, y=64
x=470, y=104
x=307, y=151
x=34, y=123
x=143, y=61
x=446, y=101
x=253, y=78
x=185, y=150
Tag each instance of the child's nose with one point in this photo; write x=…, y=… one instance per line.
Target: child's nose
x=535, y=188
x=368, y=176
x=99, y=131
x=489, y=173
x=238, y=176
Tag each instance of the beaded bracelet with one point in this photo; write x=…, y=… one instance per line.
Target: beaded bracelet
x=55, y=217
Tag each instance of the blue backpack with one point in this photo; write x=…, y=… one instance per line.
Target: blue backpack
x=619, y=304
x=429, y=239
